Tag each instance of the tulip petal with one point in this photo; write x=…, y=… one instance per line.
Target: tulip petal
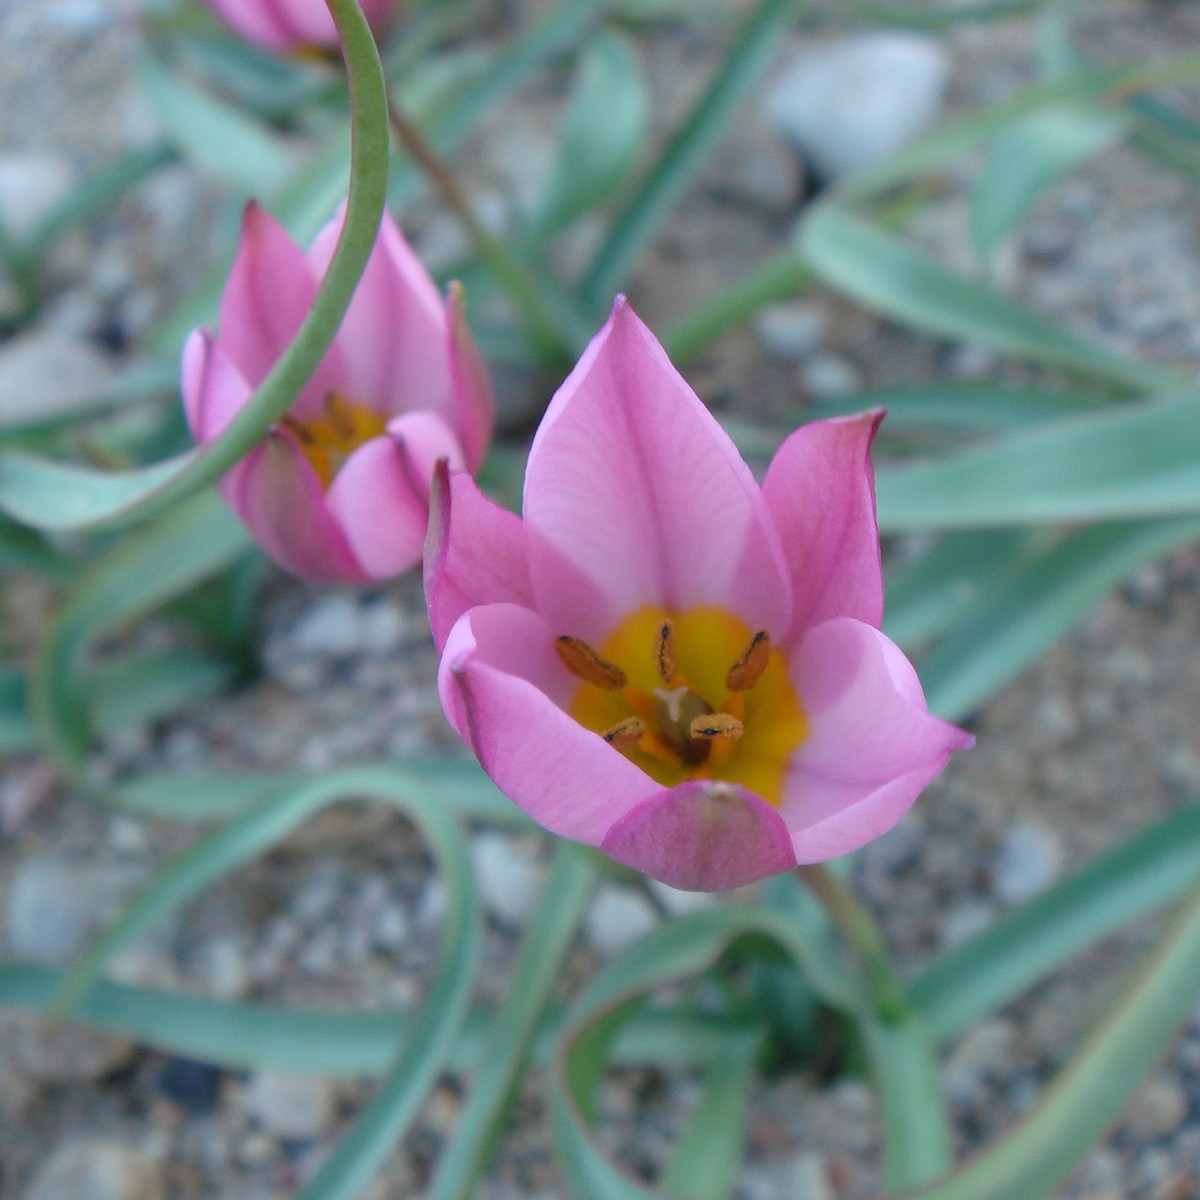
x=872, y=745
x=380, y=497
x=474, y=403
x=503, y=687
x=820, y=491
x=393, y=339
x=278, y=498
x=214, y=391
x=475, y=553
x=702, y=837
x=633, y=484
x=257, y=21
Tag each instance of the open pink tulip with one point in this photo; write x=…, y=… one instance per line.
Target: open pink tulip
x=339, y=489
x=665, y=660
x=287, y=26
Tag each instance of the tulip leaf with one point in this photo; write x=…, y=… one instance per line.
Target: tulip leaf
x=654, y=197
x=1022, y=617
x=881, y=272
x=218, y=136
x=18, y=734
x=506, y=1044
x=1089, y=1093
x=1029, y=158
x=51, y=495
x=603, y=129
x=130, y=578
x=1135, y=460
x=1153, y=868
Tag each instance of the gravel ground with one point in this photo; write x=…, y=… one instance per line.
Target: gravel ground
x=1096, y=741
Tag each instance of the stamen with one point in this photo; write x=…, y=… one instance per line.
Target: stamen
x=341, y=414
x=717, y=725
x=626, y=734
x=297, y=430
x=664, y=651
x=748, y=669
x=584, y=663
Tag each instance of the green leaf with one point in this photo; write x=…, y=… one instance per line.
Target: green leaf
x=602, y=132
x=1089, y=1093
x=1020, y=619
x=132, y=577
x=49, y=495
x=126, y=692
x=507, y=1042
x=654, y=198
x=221, y=138
x=1128, y=461
x=1153, y=868
x=881, y=272
x=1029, y=158
x=18, y=734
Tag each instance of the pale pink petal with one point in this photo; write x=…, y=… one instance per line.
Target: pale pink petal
x=475, y=553
x=474, y=403
x=214, y=391
x=380, y=497
x=256, y=22
x=278, y=498
x=702, y=837
x=634, y=485
x=502, y=685
x=821, y=493
x=393, y=340
x=872, y=744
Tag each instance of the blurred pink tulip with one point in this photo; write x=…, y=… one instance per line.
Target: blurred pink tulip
x=665, y=660
x=286, y=26
x=339, y=489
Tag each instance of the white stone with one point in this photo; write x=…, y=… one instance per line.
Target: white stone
x=617, y=918
x=985, y=1051
x=31, y=184
x=792, y=329
x=331, y=628
x=90, y=1169
x=61, y=1054
x=1157, y=1110
x=678, y=903
x=289, y=1106
x=854, y=101
x=829, y=376
x=45, y=374
x=508, y=875
x=1028, y=860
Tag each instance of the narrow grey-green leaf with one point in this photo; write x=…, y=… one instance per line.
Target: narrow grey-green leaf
x=883, y=273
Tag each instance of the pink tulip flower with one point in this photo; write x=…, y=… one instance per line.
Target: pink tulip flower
x=289, y=26
x=339, y=489
x=665, y=660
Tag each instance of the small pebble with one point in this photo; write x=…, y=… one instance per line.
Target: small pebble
x=829, y=377
x=790, y=330
x=1157, y=1110
x=1028, y=860
x=509, y=877
x=617, y=918
x=299, y=1107
x=91, y=1169
x=46, y=1053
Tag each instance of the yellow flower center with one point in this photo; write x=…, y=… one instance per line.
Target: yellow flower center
x=693, y=695
x=328, y=440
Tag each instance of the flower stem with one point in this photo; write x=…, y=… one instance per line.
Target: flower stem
x=553, y=342
x=856, y=925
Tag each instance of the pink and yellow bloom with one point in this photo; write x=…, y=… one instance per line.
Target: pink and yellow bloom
x=665, y=660
x=339, y=489
x=288, y=26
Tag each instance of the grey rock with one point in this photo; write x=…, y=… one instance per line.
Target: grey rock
x=508, y=875
x=678, y=903
x=45, y=374
x=55, y=908
x=289, y=1106
x=806, y=1177
x=982, y=1053
x=829, y=376
x=853, y=101
x=91, y=1169
x=617, y=918
x=1157, y=1110
x=45, y=1053
x=790, y=329
x=331, y=628
x=31, y=184
x=755, y=168
x=965, y=921
x=1028, y=859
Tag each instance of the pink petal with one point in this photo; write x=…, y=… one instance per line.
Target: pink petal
x=278, y=498
x=872, y=746
x=393, y=341
x=378, y=13
x=380, y=497
x=474, y=403
x=256, y=21
x=635, y=486
x=214, y=391
x=502, y=685
x=821, y=493
x=702, y=837
x=475, y=553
